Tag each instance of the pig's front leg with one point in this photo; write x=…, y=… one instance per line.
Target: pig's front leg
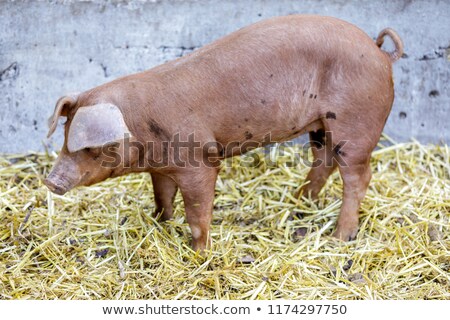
x=165, y=189
x=322, y=167
x=197, y=185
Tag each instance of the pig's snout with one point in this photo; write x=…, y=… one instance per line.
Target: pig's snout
x=64, y=176
x=55, y=186
x=60, y=183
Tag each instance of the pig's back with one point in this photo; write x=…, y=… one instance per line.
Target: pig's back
x=280, y=40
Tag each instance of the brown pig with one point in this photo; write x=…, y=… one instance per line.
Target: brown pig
x=278, y=78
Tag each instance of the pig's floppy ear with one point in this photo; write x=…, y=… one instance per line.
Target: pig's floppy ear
x=61, y=109
x=95, y=126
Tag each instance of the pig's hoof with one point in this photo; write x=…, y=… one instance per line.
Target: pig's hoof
x=306, y=193
x=301, y=193
x=200, y=250
x=162, y=216
x=201, y=245
x=345, y=234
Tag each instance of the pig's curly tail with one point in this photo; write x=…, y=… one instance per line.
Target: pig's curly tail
x=398, y=52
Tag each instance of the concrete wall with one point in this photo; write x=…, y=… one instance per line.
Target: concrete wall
x=49, y=48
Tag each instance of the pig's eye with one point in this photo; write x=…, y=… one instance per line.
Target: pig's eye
x=94, y=152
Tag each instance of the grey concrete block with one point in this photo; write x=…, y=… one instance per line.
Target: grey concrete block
x=49, y=48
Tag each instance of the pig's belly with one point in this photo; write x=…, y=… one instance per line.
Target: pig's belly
x=256, y=129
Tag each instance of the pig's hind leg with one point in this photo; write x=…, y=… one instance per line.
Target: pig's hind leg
x=352, y=147
x=165, y=189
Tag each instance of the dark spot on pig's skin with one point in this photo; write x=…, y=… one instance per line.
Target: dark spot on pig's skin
x=263, y=101
x=248, y=135
x=317, y=138
x=304, y=91
x=156, y=129
x=330, y=115
x=246, y=119
x=337, y=150
x=315, y=96
x=271, y=75
x=311, y=95
x=293, y=128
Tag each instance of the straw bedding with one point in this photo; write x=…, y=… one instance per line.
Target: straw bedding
x=101, y=243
